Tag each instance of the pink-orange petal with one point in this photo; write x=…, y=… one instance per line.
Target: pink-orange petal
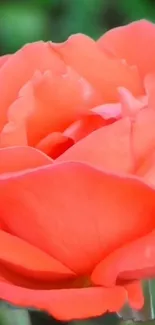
x=135, y=294
x=147, y=168
x=81, y=128
x=149, y=82
x=13, y=134
x=135, y=260
x=3, y=59
x=128, y=42
x=55, y=144
x=129, y=104
x=25, y=259
x=20, y=68
x=108, y=111
x=15, y=159
x=79, y=213
x=67, y=304
x=107, y=148
x=143, y=135
x=102, y=71
x=50, y=102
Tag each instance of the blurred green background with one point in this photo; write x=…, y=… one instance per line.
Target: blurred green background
x=31, y=20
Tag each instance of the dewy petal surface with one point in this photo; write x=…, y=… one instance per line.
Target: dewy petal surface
x=91, y=223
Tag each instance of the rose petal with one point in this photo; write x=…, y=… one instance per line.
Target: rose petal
x=81, y=128
x=143, y=135
x=120, y=147
x=67, y=304
x=14, y=159
x=134, y=43
x=103, y=72
x=147, y=168
x=129, y=104
x=135, y=294
x=69, y=205
x=20, y=68
x=149, y=82
x=13, y=134
x=108, y=111
x=40, y=108
x=3, y=59
x=107, y=148
x=55, y=144
x=125, y=264
x=27, y=260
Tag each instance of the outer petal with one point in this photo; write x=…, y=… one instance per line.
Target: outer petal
x=67, y=304
x=21, y=67
x=135, y=260
x=23, y=259
x=21, y=158
x=108, y=148
x=79, y=214
x=102, y=71
x=134, y=43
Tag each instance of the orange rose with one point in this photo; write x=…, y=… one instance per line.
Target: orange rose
x=77, y=173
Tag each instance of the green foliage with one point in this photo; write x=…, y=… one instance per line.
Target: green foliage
x=138, y=9
x=30, y=20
